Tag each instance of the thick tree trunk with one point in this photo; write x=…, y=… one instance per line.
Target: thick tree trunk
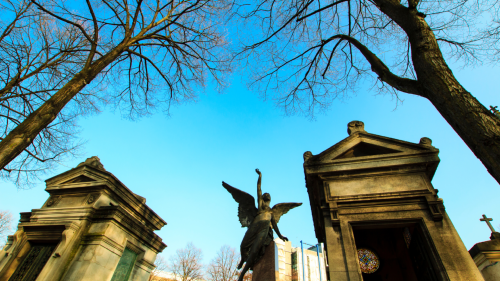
x=22, y=136
x=473, y=122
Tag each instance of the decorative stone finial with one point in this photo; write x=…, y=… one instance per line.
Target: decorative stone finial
x=94, y=162
x=307, y=155
x=355, y=126
x=494, y=110
x=495, y=235
x=142, y=199
x=425, y=141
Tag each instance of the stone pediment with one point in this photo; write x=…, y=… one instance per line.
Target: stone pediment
x=364, y=145
x=80, y=178
x=361, y=145
x=362, y=150
x=89, y=172
x=90, y=180
x=365, y=149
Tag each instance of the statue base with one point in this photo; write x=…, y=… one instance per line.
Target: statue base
x=266, y=269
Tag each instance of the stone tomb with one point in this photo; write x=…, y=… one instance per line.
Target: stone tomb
x=376, y=211
x=486, y=254
x=92, y=227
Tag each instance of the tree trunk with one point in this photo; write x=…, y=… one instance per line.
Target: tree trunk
x=22, y=136
x=473, y=122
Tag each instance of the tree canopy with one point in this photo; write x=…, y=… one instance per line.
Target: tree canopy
x=61, y=59
x=309, y=52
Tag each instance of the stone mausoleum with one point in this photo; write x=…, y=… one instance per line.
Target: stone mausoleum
x=486, y=254
x=91, y=228
x=378, y=214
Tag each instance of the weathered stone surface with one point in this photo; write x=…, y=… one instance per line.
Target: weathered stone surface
x=355, y=126
x=266, y=269
x=367, y=181
x=486, y=256
x=92, y=217
x=93, y=161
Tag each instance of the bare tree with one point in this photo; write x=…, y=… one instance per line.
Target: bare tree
x=5, y=225
x=186, y=264
x=138, y=55
x=161, y=267
x=224, y=266
x=248, y=276
x=314, y=51
x=36, y=58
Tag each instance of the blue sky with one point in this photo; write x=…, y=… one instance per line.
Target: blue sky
x=178, y=162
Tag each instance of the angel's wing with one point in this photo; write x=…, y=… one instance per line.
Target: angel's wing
x=283, y=208
x=246, y=204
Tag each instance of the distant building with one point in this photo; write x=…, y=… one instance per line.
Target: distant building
x=289, y=263
x=283, y=259
x=161, y=276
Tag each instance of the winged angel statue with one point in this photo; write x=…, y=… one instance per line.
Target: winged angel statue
x=260, y=222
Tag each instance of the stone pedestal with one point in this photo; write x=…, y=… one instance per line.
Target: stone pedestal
x=266, y=268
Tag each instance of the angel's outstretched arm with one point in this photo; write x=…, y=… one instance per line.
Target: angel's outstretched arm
x=259, y=191
x=276, y=229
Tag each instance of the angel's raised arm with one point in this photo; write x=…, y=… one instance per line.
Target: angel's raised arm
x=259, y=191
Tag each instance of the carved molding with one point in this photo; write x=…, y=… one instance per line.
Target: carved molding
x=91, y=198
x=25, y=216
x=385, y=196
x=44, y=232
x=94, y=162
x=307, y=155
x=53, y=201
x=426, y=142
x=17, y=242
x=355, y=126
x=334, y=214
x=144, y=264
x=140, y=231
x=435, y=210
x=104, y=241
x=375, y=172
x=138, y=250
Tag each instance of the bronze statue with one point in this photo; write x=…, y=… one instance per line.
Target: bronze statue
x=260, y=222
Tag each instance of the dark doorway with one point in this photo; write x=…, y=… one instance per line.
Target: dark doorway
x=422, y=259
x=33, y=262
x=401, y=258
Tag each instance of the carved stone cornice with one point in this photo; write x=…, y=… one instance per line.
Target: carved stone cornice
x=145, y=265
x=131, y=224
x=103, y=240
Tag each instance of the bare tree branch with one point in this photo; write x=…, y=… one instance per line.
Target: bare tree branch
x=304, y=57
x=5, y=226
x=224, y=266
x=59, y=62
x=186, y=264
